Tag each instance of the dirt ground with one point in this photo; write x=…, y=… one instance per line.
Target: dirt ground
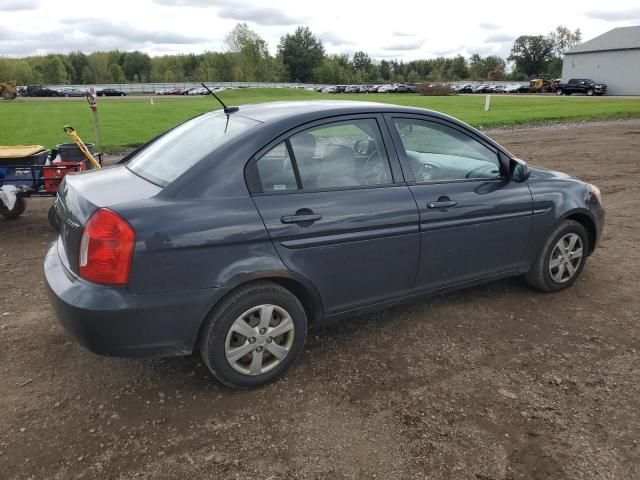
x=492, y=383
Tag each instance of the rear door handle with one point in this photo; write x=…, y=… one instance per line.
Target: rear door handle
x=442, y=204
x=300, y=218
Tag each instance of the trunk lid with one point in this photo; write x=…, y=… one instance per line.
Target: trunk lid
x=81, y=194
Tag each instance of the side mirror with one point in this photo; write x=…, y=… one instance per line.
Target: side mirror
x=519, y=170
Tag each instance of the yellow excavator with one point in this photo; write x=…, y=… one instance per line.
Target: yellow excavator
x=543, y=84
x=8, y=90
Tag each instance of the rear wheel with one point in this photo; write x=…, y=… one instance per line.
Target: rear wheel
x=590, y=92
x=254, y=335
x=17, y=210
x=561, y=259
x=559, y=92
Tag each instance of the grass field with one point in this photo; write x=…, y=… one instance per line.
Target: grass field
x=131, y=121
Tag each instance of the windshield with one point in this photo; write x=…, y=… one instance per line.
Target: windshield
x=179, y=149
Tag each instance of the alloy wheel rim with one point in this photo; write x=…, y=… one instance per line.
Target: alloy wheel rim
x=259, y=339
x=565, y=258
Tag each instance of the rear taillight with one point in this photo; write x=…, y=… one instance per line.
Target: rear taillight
x=106, y=248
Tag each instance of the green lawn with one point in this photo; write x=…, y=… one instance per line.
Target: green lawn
x=131, y=121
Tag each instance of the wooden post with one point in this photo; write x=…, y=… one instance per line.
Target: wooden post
x=487, y=102
x=91, y=99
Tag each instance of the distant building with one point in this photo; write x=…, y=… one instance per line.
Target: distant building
x=612, y=58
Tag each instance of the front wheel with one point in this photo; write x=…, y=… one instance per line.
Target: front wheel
x=254, y=335
x=562, y=258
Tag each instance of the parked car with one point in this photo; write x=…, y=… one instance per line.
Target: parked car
x=514, y=88
x=110, y=92
x=497, y=89
x=330, y=89
x=483, y=88
x=41, y=92
x=71, y=92
x=581, y=85
x=352, y=89
x=364, y=88
x=389, y=88
x=464, y=88
x=374, y=88
x=288, y=214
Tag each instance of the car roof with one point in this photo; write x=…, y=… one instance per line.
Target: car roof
x=264, y=112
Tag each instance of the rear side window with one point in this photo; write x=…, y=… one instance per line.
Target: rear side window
x=345, y=154
x=276, y=170
x=341, y=154
x=179, y=149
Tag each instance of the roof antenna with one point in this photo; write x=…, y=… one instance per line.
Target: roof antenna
x=227, y=110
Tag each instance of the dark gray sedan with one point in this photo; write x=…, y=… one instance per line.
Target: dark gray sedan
x=233, y=232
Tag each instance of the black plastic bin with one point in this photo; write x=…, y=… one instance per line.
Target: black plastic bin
x=69, y=152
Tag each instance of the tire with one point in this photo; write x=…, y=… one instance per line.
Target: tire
x=241, y=309
x=16, y=211
x=559, y=92
x=541, y=277
x=590, y=92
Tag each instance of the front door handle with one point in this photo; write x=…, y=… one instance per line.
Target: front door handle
x=442, y=204
x=300, y=218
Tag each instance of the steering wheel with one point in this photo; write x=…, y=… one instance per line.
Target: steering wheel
x=426, y=171
x=375, y=172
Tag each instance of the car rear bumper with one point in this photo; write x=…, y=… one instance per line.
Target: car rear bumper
x=111, y=321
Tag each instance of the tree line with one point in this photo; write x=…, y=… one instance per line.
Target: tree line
x=300, y=57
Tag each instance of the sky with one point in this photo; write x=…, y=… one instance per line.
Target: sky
x=403, y=30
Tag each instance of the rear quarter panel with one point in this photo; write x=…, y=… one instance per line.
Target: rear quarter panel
x=188, y=244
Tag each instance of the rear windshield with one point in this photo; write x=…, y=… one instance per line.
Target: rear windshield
x=179, y=149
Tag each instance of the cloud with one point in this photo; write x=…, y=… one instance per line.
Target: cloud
x=403, y=34
x=190, y=3
x=449, y=51
x=414, y=45
x=484, y=50
x=499, y=38
x=18, y=5
x=330, y=38
x=259, y=15
x=489, y=26
x=97, y=27
x=17, y=44
x=628, y=14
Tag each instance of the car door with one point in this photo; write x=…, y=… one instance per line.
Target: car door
x=337, y=209
x=474, y=222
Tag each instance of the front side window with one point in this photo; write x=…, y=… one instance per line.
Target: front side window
x=436, y=152
x=179, y=149
x=341, y=154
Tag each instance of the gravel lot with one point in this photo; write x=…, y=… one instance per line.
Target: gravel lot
x=491, y=383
